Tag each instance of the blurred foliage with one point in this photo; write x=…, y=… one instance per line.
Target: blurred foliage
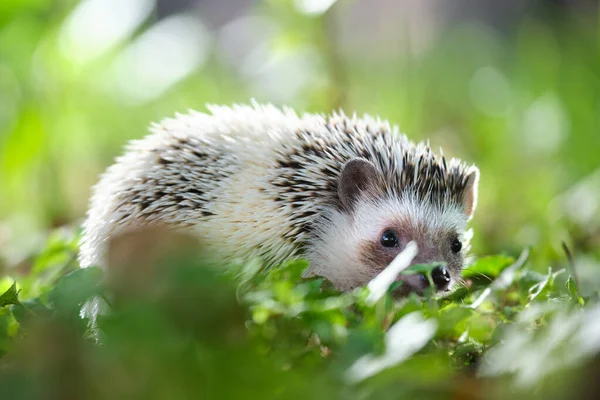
x=188, y=332
x=521, y=101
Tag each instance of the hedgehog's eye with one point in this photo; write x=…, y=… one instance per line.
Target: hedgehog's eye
x=456, y=245
x=389, y=239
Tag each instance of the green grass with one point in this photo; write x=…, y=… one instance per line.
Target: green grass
x=523, y=104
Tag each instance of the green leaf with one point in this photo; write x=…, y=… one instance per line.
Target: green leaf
x=74, y=289
x=545, y=285
x=11, y=296
x=450, y=319
x=27, y=308
x=490, y=267
x=424, y=269
x=574, y=291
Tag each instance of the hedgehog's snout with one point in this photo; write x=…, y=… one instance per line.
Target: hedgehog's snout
x=440, y=277
x=418, y=283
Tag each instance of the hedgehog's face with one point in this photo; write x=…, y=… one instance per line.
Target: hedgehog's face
x=373, y=227
x=383, y=229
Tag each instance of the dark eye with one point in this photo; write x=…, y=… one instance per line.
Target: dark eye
x=389, y=239
x=456, y=245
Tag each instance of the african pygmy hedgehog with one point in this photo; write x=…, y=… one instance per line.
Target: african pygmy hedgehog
x=257, y=181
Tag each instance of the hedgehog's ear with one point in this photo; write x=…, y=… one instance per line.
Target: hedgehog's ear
x=470, y=194
x=358, y=176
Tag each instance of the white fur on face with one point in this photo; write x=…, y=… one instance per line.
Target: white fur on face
x=372, y=217
x=336, y=252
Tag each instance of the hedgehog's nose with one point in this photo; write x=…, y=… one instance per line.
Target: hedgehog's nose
x=440, y=277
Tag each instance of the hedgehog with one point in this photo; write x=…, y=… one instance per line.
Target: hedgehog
x=257, y=181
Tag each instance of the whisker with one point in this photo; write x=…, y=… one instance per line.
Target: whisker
x=480, y=274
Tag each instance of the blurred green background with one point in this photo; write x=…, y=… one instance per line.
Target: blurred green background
x=512, y=86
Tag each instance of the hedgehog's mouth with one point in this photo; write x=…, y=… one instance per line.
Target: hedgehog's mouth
x=419, y=283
